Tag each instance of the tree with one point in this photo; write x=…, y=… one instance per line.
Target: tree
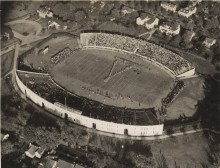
x=189, y=25
x=212, y=22
x=108, y=7
x=214, y=10
x=138, y=5
x=7, y=30
x=216, y=54
x=131, y=4
x=177, y=39
x=170, y=131
x=62, y=9
x=161, y=161
x=199, y=22
x=115, y=13
x=80, y=15
x=144, y=5
x=71, y=6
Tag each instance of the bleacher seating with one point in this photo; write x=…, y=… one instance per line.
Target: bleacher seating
x=178, y=86
x=167, y=58
x=60, y=56
x=41, y=84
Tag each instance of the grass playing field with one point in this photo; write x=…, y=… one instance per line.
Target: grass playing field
x=107, y=77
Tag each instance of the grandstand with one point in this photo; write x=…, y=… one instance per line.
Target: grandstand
x=41, y=84
x=166, y=59
x=108, y=82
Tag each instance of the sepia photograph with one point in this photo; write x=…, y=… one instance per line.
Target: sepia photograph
x=110, y=84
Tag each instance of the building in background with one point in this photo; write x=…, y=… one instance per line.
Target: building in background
x=44, y=12
x=126, y=10
x=147, y=20
x=168, y=6
x=170, y=28
x=188, y=11
x=39, y=153
x=31, y=151
x=208, y=42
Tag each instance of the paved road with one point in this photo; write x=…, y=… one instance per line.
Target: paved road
x=151, y=138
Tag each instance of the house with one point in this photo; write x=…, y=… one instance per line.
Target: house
x=31, y=151
x=53, y=24
x=188, y=11
x=39, y=152
x=188, y=35
x=152, y=23
x=4, y=137
x=44, y=12
x=170, y=28
x=168, y=6
x=208, y=42
x=93, y=1
x=78, y=166
x=58, y=24
x=142, y=18
x=194, y=2
x=148, y=20
x=45, y=50
x=63, y=164
x=126, y=10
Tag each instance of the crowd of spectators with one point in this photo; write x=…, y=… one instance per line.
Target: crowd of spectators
x=178, y=86
x=167, y=58
x=89, y=107
x=61, y=55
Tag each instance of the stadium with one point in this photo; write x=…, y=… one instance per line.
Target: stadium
x=105, y=81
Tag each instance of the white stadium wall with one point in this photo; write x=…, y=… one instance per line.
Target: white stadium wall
x=110, y=127
x=187, y=74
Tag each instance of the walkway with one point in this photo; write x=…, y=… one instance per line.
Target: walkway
x=151, y=138
x=150, y=33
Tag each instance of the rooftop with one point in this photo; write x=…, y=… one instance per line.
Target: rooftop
x=64, y=164
x=144, y=15
x=187, y=9
x=168, y=4
x=127, y=8
x=32, y=149
x=151, y=20
x=189, y=34
x=40, y=151
x=171, y=25
x=209, y=40
x=78, y=166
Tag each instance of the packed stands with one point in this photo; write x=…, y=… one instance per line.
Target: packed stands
x=61, y=55
x=42, y=84
x=178, y=86
x=176, y=64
